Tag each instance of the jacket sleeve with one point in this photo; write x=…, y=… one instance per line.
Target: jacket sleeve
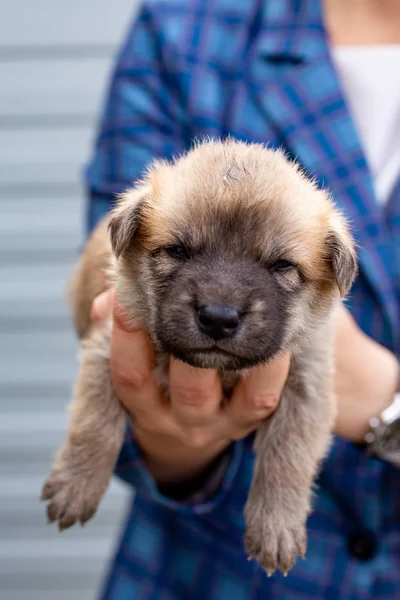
x=143, y=116
x=143, y=119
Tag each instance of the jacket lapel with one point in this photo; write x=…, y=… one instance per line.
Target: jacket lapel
x=306, y=107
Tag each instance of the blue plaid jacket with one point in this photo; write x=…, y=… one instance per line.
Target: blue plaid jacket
x=259, y=70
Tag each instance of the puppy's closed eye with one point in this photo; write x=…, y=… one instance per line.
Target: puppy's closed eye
x=287, y=274
x=282, y=266
x=177, y=251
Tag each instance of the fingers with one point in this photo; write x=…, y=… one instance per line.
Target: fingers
x=256, y=396
x=195, y=394
x=131, y=362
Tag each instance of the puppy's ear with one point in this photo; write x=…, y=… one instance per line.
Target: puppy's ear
x=341, y=251
x=126, y=217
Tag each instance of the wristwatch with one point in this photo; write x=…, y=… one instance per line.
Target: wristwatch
x=383, y=438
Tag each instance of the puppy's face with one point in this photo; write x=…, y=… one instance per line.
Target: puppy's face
x=229, y=255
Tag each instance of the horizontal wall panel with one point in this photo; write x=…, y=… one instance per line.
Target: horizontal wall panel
x=68, y=593
x=34, y=282
x=60, y=210
x=25, y=23
x=40, y=225
x=35, y=316
x=63, y=546
x=43, y=89
x=23, y=391
x=72, y=570
x=44, y=156
x=33, y=191
x=34, y=524
x=21, y=489
x=41, y=343
x=32, y=521
x=54, y=372
x=44, y=357
x=39, y=309
x=32, y=397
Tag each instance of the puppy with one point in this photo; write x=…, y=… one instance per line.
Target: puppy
x=227, y=257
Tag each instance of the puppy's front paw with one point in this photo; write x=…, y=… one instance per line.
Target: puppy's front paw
x=275, y=539
x=74, y=493
x=71, y=497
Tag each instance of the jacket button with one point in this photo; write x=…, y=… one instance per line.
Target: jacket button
x=363, y=545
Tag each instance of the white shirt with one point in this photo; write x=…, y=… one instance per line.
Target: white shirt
x=370, y=77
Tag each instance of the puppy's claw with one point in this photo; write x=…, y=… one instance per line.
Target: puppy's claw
x=52, y=512
x=87, y=514
x=270, y=572
x=49, y=490
x=301, y=553
x=66, y=520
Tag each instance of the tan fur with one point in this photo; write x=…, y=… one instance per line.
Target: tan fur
x=290, y=218
x=96, y=260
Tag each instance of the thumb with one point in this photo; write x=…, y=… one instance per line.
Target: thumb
x=102, y=305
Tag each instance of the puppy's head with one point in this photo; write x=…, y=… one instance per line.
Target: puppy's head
x=229, y=254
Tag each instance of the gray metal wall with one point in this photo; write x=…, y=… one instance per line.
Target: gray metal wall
x=55, y=56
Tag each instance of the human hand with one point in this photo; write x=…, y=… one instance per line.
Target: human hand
x=366, y=377
x=182, y=435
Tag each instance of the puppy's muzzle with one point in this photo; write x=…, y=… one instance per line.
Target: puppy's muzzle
x=218, y=321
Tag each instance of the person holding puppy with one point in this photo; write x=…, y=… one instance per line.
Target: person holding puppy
x=307, y=76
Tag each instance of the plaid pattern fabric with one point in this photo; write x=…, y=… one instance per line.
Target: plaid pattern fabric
x=258, y=70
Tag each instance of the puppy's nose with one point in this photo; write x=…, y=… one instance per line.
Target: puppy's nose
x=218, y=320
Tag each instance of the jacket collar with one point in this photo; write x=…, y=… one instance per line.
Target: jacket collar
x=305, y=105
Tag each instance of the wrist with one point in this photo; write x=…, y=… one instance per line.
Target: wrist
x=388, y=388
x=376, y=379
